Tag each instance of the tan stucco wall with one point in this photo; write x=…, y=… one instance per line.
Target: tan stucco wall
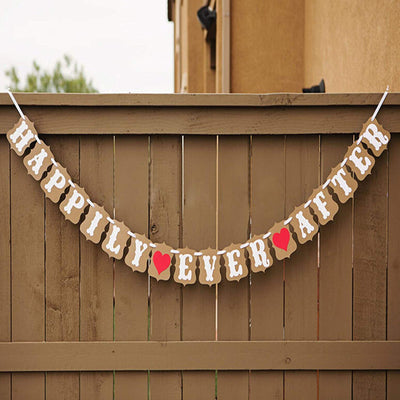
x=267, y=45
x=353, y=44
x=285, y=45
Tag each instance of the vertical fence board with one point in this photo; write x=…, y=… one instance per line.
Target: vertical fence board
x=27, y=255
x=369, y=273
x=335, y=275
x=199, y=233
x=393, y=298
x=62, y=272
x=5, y=259
x=165, y=220
x=131, y=291
x=233, y=220
x=301, y=272
x=266, y=290
x=96, y=288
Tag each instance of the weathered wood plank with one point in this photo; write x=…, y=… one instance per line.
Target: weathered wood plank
x=200, y=120
x=204, y=355
x=369, y=273
x=5, y=259
x=165, y=225
x=199, y=232
x=266, y=290
x=233, y=227
x=62, y=271
x=393, y=281
x=237, y=99
x=27, y=268
x=335, y=274
x=96, y=286
x=301, y=272
x=131, y=288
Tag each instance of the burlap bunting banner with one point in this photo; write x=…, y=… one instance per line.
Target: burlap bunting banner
x=187, y=265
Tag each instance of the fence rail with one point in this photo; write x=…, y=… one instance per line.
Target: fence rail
x=205, y=355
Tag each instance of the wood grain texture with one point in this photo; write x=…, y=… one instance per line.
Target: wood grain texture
x=5, y=259
x=233, y=226
x=301, y=270
x=27, y=268
x=96, y=287
x=393, y=279
x=131, y=288
x=335, y=275
x=226, y=120
x=199, y=232
x=237, y=99
x=165, y=225
x=228, y=355
x=369, y=273
x=62, y=271
x=266, y=290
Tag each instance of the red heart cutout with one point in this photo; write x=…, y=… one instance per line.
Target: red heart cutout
x=161, y=261
x=281, y=239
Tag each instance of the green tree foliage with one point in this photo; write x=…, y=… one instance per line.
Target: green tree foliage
x=66, y=77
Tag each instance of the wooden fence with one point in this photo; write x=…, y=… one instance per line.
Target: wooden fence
x=199, y=171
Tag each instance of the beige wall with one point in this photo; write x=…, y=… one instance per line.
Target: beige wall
x=353, y=44
x=267, y=45
x=285, y=45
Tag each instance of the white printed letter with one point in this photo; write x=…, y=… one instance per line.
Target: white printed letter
x=113, y=238
x=304, y=224
x=358, y=161
x=38, y=160
x=232, y=263
x=338, y=178
x=377, y=138
x=259, y=254
x=57, y=180
x=183, y=275
x=208, y=267
x=140, y=248
x=95, y=222
x=23, y=139
x=317, y=200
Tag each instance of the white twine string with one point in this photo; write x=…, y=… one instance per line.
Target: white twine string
x=37, y=139
x=307, y=204
x=244, y=245
x=110, y=220
x=90, y=203
x=54, y=162
x=328, y=181
x=131, y=234
x=344, y=162
x=198, y=253
x=221, y=252
x=175, y=251
x=152, y=245
x=380, y=103
x=267, y=235
x=71, y=183
x=288, y=220
x=16, y=104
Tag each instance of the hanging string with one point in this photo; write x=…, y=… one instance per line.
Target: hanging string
x=380, y=103
x=15, y=103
